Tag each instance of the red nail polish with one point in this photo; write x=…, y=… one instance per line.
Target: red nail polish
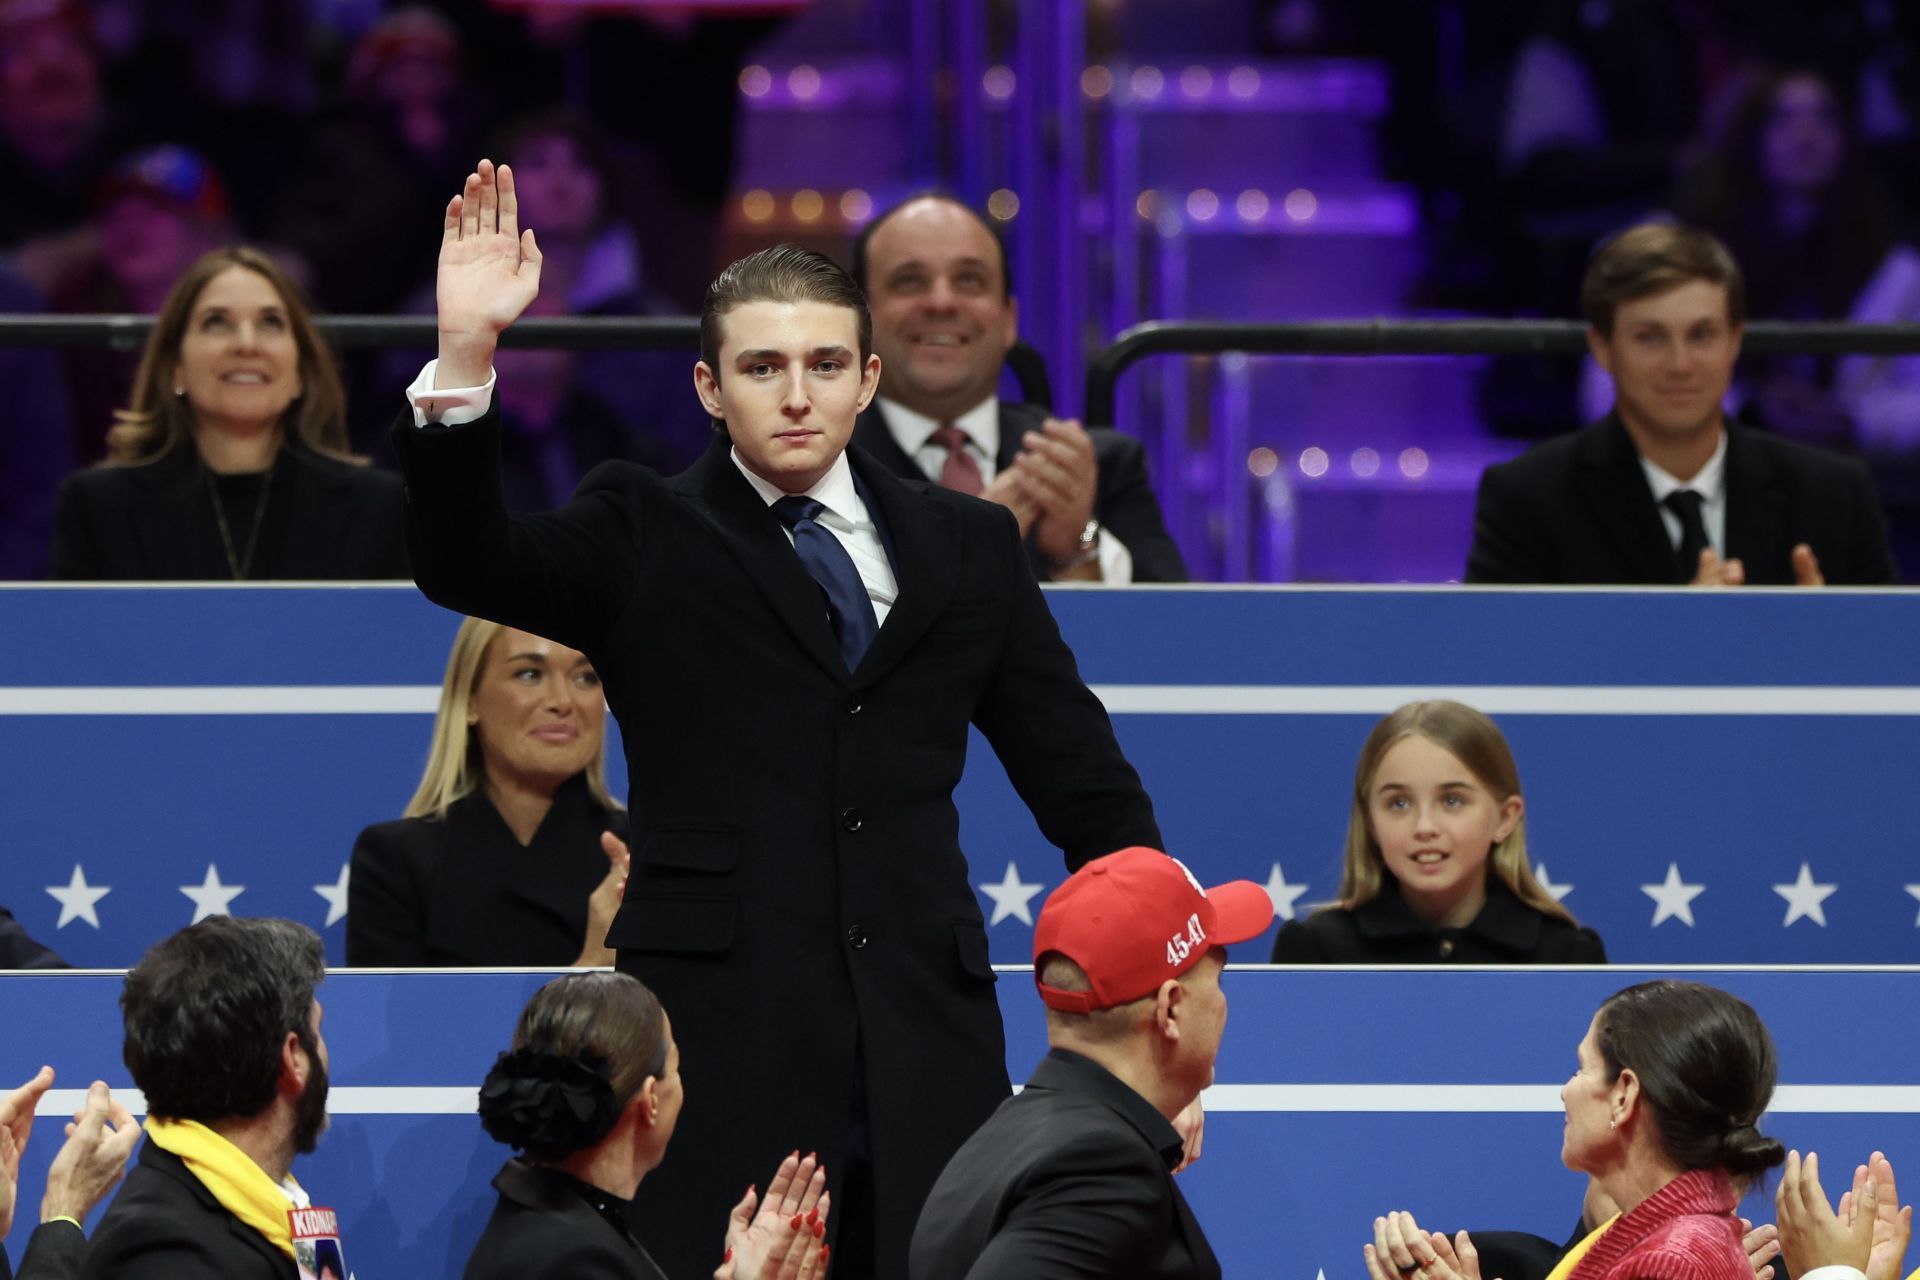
x=727, y=1258
x=819, y=1230
x=813, y=1214
x=795, y=1224
x=825, y=1249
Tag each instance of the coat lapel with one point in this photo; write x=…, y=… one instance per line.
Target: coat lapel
x=925, y=542
x=715, y=488
x=315, y=517
x=1756, y=510
x=1615, y=490
x=872, y=435
x=166, y=487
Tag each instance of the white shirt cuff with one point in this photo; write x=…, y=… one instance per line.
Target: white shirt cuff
x=1116, y=562
x=447, y=406
x=1836, y=1271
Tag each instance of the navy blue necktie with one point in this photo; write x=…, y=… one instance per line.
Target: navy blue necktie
x=1685, y=505
x=848, y=604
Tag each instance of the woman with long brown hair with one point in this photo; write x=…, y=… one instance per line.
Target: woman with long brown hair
x=230, y=462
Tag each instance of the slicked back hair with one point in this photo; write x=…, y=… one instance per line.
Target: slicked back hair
x=1653, y=258
x=208, y=1009
x=784, y=273
x=863, y=240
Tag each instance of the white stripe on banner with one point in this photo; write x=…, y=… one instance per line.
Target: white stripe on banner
x=1502, y=699
x=1120, y=699
x=1379, y=1099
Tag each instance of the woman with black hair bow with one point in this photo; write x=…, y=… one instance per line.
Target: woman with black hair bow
x=589, y=1093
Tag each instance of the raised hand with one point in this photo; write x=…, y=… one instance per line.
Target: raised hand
x=782, y=1240
x=1806, y=567
x=16, y=1126
x=1058, y=461
x=1191, y=1125
x=100, y=1139
x=604, y=903
x=489, y=273
x=1402, y=1251
x=1715, y=572
x=1892, y=1223
x=1811, y=1233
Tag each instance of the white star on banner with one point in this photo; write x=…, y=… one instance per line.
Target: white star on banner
x=1284, y=895
x=210, y=897
x=1559, y=891
x=1804, y=898
x=336, y=896
x=1011, y=896
x=76, y=899
x=1914, y=889
x=1673, y=897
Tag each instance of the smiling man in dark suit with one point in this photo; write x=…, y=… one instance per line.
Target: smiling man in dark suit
x=1665, y=489
x=794, y=641
x=944, y=318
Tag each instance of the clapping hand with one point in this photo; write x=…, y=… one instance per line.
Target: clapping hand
x=16, y=1126
x=489, y=273
x=100, y=1139
x=783, y=1239
x=1869, y=1231
x=1402, y=1251
x=1762, y=1245
x=604, y=903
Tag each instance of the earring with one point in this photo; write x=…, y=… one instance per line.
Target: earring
x=1612, y=1123
x=180, y=391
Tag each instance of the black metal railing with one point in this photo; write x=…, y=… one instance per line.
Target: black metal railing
x=1441, y=337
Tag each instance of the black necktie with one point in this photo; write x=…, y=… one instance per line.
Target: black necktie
x=848, y=605
x=1685, y=504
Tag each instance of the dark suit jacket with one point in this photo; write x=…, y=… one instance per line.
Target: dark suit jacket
x=165, y=1224
x=1071, y=1178
x=798, y=893
x=53, y=1253
x=1125, y=505
x=324, y=519
x=1386, y=931
x=542, y=1227
x=461, y=890
x=20, y=950
x=1577, y=509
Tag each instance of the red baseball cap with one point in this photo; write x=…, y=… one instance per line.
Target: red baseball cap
x=1135, y=918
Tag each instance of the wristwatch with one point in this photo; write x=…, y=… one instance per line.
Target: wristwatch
x=1087, y=552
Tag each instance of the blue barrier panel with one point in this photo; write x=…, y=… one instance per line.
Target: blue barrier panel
x=1711, y=778
x=1340, y=1094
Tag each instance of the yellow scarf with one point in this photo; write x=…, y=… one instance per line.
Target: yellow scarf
x=241, y=1186
x=1565, y=1266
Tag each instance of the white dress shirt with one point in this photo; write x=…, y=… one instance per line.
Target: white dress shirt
x=846, y=517
x=913, y=432
x=1710, y=482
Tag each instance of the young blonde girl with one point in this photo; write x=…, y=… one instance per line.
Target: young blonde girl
x=1436, y=865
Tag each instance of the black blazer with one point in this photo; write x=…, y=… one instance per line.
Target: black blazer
x=165, y=1224
x=20, y=950
x=542, y=1227
x=461, y=890
x=325, y=519
x=1577, y=509
x=53, y=1253
x=1125, y=505
x=1071, y=1178
x=1386, y=931
x=798, y=890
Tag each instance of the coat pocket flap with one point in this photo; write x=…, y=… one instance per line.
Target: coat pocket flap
x=673, y=924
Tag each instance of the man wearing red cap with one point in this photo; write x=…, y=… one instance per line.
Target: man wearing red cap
x=1074, y=1176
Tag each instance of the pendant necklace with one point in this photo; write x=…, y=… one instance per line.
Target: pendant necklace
x=239, y=565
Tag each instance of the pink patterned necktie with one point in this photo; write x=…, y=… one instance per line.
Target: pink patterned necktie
x=959, y=471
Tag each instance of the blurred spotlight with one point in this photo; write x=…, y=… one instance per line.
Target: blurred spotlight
x=1365, y=463
x=856, y=205
x=757, y=205
x=1148, y=204
x=1263, y=461
x=998, y=82
x=808, y=204
x=1313, y=461
x=803, y=82
x=755, y=81
x=1413, y=463
x=1003, y=204
x=1202, y=204
x=1243, y=82
x=1096, y=82
x=1301, y=204
x=1196, y=81
x=1252, y=204
x=1147, y=82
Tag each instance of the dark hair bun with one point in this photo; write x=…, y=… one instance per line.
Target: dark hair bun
x=546, y=1104
x=1745, y=1151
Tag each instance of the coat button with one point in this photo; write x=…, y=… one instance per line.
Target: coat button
x=856, y=937
x=850, y=819
x=1446, y=947
x=853, y=707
